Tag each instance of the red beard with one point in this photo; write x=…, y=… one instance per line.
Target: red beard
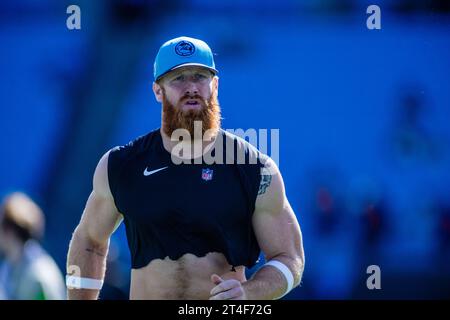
x=176, y=118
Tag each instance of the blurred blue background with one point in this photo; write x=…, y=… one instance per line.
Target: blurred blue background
x=363, y=118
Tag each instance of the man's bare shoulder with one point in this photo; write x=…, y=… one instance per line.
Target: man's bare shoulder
x=100, y=179
x=271, y=192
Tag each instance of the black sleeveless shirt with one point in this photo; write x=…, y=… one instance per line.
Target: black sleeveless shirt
x=172, y=209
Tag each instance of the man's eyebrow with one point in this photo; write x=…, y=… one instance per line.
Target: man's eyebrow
x=174, y=75
x=177, y=73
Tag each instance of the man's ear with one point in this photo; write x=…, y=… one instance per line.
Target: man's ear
x=157, y=90
x=216, y=83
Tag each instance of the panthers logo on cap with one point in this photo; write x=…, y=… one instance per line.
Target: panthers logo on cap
x=185, y=48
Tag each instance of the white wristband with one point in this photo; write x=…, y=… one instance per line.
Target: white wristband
x=83, y=283
x=285, y=271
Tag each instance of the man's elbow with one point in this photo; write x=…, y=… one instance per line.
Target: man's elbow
x=295, y=263
x=298, y=266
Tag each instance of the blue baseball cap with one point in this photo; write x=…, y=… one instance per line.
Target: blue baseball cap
x=180, y=52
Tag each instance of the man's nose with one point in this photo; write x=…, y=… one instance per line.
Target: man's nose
x=191, y=88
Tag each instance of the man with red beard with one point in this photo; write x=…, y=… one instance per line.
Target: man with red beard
x=193, y=226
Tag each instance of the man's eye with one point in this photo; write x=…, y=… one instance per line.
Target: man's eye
x=179, y=78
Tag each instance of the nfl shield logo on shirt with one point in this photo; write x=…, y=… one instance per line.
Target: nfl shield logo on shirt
x=207, y=174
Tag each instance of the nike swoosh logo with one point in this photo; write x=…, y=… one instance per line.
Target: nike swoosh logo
x=147, y=173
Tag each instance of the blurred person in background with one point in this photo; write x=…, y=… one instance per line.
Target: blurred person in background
x=192, y=228
x=28, y=272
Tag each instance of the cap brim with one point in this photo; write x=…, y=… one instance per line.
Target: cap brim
x=187, y=65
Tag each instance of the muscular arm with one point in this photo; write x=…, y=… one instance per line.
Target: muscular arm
x=279, y=237
x=90, y=241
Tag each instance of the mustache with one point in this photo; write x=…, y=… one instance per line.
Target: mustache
x=189, y=97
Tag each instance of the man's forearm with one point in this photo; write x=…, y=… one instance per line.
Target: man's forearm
x=268, y=283
x=86, y=259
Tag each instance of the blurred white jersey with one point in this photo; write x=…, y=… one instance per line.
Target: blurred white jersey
x=35, y=277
